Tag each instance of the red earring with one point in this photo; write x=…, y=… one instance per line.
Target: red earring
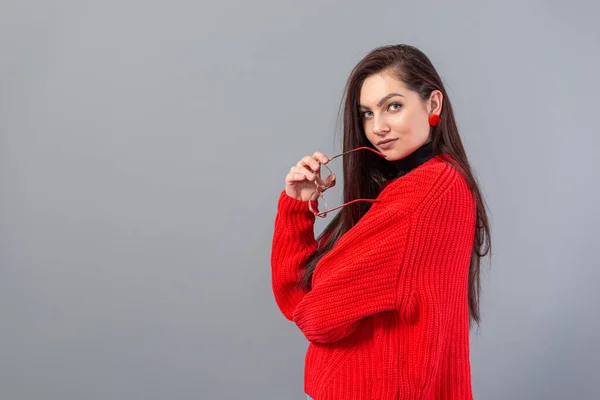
x=434, y=120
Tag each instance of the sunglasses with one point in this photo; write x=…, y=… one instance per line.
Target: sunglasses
x=322, y=185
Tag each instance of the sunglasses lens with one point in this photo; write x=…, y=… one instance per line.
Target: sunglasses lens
x=324, y=177
x=317, y=203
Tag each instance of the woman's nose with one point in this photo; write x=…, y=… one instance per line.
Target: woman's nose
x=380, y=126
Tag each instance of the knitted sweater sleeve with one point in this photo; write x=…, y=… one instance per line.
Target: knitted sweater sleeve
x=356, y=279
x=293, y=243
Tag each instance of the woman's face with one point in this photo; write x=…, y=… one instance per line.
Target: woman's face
x=396, y=119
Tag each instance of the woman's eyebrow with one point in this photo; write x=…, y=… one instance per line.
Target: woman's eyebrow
x=389, y=96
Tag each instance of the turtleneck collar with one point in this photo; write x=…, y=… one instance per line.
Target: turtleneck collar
x=413, y=160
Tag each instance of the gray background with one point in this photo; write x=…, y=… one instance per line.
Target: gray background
x=143, y=146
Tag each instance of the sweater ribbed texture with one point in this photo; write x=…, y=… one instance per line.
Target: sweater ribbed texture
x=387, y=316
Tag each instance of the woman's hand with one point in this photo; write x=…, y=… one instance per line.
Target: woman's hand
x=301, y=182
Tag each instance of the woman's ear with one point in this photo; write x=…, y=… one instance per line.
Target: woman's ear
x=435, y=102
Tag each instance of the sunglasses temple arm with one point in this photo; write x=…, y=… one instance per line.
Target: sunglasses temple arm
x=322, y=214
x=359, y=148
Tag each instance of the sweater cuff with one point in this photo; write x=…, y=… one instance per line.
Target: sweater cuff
x=297, y=217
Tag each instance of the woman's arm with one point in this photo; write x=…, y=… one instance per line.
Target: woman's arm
x=358, y=277
x=293, y=243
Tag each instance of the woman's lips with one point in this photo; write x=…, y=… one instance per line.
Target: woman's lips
x=386, y=144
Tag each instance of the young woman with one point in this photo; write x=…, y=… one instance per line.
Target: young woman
x=387, y=294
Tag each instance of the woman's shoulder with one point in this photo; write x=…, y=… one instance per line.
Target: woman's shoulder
x=429, y=180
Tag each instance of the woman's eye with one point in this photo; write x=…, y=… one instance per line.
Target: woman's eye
x=394, y=106
x=366, y=114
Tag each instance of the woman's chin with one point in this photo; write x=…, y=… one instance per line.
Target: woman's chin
x=394, y=154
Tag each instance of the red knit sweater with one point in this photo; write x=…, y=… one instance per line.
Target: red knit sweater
x=387, y=316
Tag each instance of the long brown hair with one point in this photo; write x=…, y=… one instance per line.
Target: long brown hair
x=365, y=173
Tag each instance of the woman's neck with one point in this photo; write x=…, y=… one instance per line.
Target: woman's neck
x=413, y=160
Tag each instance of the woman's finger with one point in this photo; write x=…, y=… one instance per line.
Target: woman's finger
x=322, y=158
x=299, y=174
x=307, y=170
x=330, y=181
x=310, y=162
